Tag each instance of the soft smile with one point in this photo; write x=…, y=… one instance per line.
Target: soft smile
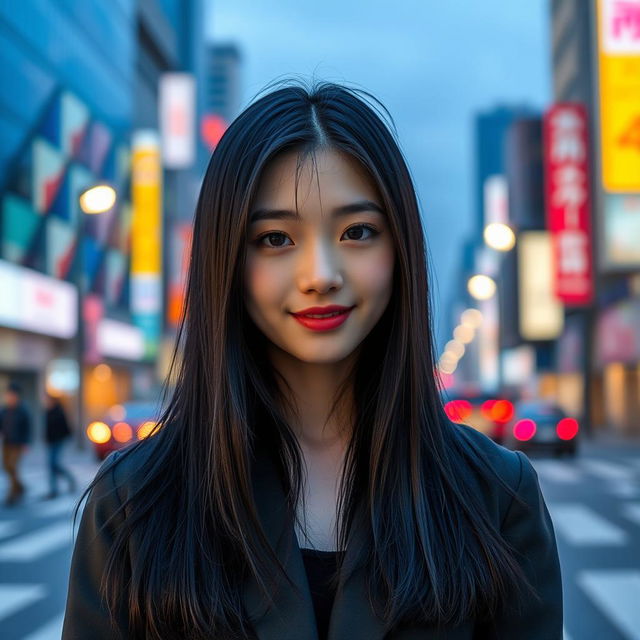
x=323, y=318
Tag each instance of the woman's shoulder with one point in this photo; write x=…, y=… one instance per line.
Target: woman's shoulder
x=123, y=470
x=484, y=461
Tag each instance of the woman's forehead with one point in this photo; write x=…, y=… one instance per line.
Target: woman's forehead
x=325, y=173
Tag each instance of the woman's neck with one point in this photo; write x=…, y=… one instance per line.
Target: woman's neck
x=313, y=389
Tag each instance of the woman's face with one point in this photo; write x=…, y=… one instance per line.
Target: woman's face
x=339, y=251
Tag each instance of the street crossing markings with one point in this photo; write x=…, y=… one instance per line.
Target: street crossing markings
x=37, y=543
x=556, y=471
x=14, y=597
x=617, y=594
x=624, y=489
x=582, y=526
x=606, y=470
x=52, y=630
x=632, y=512
x=60, y=506
x=8, y=528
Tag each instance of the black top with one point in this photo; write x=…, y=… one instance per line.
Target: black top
x=321, y=567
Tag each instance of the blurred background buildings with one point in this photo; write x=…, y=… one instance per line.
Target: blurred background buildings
x=564, y=320
x=132, y=93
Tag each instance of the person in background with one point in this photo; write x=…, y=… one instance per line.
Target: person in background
x=15, y=428
x=57, y=430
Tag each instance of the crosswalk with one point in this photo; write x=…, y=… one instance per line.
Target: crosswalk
x=31, y=534
x=42, y=529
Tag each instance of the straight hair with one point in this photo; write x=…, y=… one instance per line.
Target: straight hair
x=430, y=551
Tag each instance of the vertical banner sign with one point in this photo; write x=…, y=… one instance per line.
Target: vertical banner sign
x=146, y=238
x=566, y=170
x=619, y=70
x=177, y=114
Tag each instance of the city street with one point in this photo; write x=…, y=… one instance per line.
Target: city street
x=594, y=501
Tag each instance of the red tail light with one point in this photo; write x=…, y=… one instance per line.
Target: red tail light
x=567, y=428
x=524, y=429
x=500, y=411
x=458, y=410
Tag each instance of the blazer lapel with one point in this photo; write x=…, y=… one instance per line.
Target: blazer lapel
x=292, y=616
x=352, y=616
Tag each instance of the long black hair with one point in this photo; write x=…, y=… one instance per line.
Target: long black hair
x=432, y=554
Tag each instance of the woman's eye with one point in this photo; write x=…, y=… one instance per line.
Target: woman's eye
x=356, y=232
x=275, y=240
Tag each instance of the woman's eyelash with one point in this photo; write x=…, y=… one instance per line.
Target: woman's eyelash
x=259, y=239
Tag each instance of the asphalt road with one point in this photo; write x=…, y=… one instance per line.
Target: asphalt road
x=594, y=501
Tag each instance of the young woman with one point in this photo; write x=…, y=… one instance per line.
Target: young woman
x=304, y=481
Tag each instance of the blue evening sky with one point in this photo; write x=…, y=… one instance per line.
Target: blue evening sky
x=433, y=63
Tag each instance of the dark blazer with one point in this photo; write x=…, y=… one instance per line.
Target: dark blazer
x=527, y=528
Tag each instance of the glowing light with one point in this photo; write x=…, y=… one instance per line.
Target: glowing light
x=98, y=199
x=455, y=347
x=458, y=410
x=117, y=413
x=98, y=432
x=122, y=432
x=567, y=428
x=524, y=429
x=471, y=317
x=481, y=287
x=499, y=236
x=497, y=410
x=102, y=372
x=464, y=333
x=145, y=429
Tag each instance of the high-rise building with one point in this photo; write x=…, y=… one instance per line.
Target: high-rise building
x=222, y=93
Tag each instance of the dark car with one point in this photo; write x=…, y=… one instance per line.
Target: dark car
x=487, y=413
x=542, y=425
x=122, y=425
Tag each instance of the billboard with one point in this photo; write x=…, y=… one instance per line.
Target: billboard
x=567, y=203
x=177, y=104
x=146, y=238
x=619, y=76
x=541, y=313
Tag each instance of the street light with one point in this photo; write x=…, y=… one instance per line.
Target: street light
x=481, y=287
x=499, y=236
x=97, y=199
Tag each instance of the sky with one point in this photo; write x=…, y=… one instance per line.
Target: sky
x=433, y=63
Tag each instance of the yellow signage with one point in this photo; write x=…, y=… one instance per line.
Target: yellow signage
x=619, y=70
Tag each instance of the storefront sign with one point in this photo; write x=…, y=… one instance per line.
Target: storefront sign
x=146, y=238
x=619, y=69
x=119, y=340
x=177, y=119
x=567, y=202
x=34, y=302
x=541, y=314
x=618, y=334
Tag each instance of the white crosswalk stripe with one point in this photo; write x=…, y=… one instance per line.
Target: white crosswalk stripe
x=8, y=528
x=58, y=507
x=557, y=471
x=36, y=544
x=582, y=526
x=606, y=470
x=14, y=597
x=52, y=630
x=632, y=512
x=617, y=594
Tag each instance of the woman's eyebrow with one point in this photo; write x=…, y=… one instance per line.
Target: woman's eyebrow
x=285, y=214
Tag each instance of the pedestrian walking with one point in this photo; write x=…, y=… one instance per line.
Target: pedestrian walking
x=15, y=429
x=304, y=481
x=57, y=431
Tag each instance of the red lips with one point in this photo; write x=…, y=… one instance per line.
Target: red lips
x=332, y=308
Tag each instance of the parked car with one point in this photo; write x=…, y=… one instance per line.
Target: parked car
x=486, y=413
x=543, y=426
x=122, y=425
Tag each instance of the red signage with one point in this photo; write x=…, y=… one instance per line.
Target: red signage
x=567, y=201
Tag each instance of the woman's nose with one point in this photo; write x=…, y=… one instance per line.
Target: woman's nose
x=319, y=269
